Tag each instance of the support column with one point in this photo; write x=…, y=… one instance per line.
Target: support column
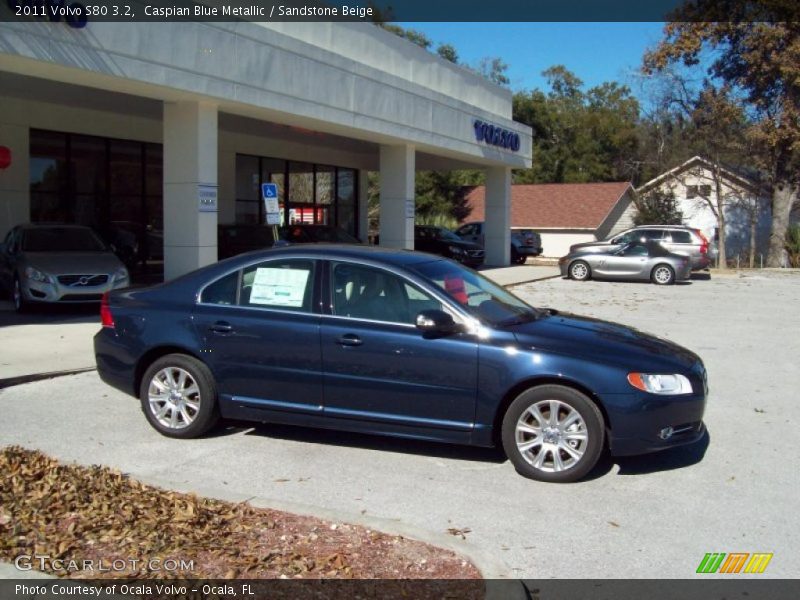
x=190, y=186
x=497, y=227
x=363, y=205
x=15, y=205
x=397, y=197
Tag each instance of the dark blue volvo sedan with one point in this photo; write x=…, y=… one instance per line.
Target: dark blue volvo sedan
x=397, y=343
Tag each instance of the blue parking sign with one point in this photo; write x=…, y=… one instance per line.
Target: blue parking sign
x=269, y=190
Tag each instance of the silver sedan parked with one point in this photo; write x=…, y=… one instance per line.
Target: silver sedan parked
x=55, y=263
x=637, y=261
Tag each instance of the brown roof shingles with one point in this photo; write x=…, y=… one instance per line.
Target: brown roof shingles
x=555, y=205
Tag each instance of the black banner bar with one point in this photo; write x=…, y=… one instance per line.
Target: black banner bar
x=702, y=588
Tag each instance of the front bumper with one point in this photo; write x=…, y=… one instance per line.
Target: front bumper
x=54, y=291
x=638, y=421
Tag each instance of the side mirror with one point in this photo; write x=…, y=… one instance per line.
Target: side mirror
x=436, y=321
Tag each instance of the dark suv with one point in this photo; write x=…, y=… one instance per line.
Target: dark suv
x=675, y=238
x=442, y=241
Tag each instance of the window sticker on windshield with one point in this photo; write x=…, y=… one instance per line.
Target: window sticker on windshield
x=279, y=287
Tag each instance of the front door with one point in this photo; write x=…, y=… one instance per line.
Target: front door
x=379, y=367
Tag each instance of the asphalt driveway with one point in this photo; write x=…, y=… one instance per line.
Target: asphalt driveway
x=653, y=516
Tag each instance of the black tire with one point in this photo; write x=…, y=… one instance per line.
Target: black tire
x=515, y=256
x=579, y=270
x=20, y=304
x=543, y=464
x=662, y=274
x=202, y=418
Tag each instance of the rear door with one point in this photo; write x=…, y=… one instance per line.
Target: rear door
x=260, y=336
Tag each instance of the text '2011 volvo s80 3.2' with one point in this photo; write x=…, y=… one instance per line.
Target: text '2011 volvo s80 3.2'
x=397, y=343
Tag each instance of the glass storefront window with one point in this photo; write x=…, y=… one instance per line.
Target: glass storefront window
x=307, y=193
x=114, y=186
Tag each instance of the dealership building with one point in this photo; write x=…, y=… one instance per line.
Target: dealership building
x=172, y=128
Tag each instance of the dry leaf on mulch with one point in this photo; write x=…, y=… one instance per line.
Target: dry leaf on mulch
x=77, y=513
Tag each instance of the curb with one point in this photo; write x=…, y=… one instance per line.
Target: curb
x=489, y=566
x=21, y=379
x=516, y=283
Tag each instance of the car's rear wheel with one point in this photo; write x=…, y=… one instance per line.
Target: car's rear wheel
x=553, y=433
x=580, y=271
x=179, y=397
x=20, y=305
x=662, y=275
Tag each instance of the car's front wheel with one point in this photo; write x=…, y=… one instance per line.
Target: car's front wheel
x=20, y=305
x=553, y=433
x=580, y=271
x=179, y=397
x=663, y=275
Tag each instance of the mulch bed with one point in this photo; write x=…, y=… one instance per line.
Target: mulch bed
x=76, y=513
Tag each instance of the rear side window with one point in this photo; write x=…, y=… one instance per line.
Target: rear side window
x=222, y=291
x=279, y=284
x=681, y=237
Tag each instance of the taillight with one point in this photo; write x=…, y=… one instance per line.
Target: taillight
x=106, y=318
x=704, y=240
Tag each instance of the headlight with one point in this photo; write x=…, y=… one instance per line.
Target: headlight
x=455, y=250
x=36, y=275
x=665, y=385
x=121, y=275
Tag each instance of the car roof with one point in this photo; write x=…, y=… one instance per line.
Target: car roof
x=348, y=251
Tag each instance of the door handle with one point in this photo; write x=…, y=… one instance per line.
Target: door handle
x=350, y=340
x=221, y=327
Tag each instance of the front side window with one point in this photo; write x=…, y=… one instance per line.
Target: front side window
x=361, y=292
x=476, y=294
x=278, y=284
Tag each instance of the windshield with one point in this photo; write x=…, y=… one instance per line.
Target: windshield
x=61, y=239
x=479, y=296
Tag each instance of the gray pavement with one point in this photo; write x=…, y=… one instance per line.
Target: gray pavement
x=652, y=516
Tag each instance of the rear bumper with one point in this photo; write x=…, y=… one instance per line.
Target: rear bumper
x=528, y=250
x=114, y=363
x=700, y=263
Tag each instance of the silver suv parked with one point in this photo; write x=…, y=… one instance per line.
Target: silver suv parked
x=524, y=242
x=675, y=238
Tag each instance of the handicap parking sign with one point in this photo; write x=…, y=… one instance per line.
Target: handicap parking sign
x=269, y=191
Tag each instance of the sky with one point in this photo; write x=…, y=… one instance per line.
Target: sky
x=595, y=52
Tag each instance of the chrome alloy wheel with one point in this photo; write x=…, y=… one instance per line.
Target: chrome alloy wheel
x=551, y=436
x=662, y=275
x=174, y=398
x=579, y=271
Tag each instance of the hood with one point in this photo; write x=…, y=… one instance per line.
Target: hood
x=73, y=263
x=605, y=341
x=462, y=244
